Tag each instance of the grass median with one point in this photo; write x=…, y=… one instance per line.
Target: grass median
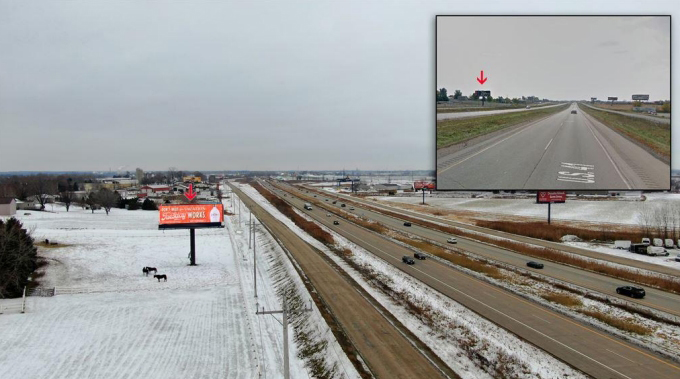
x=654, y=136
x=451, y=132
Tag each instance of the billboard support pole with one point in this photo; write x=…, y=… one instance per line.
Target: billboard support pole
x=423, y=195
x=192, y=253
x=549, y=213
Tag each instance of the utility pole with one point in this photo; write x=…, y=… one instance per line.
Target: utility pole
x=254, y=261
x=250, y=226
x=284, y=311
x=423, y=195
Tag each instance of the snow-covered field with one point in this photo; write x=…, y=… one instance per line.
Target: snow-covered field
x=615, y=212
x=668, y=261
x=201, y=323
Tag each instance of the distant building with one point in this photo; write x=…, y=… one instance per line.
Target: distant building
x=8, y=206
x=154, y=189
x=139, y=173
x=25, y=205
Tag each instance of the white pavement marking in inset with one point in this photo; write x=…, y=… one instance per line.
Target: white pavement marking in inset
x=587, y=177
x=546, y=146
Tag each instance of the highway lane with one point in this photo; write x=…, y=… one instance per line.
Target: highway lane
x=562, y=151
x=384, y=349
x=549, y=244
x=459, y=115
x=589, y=350
x=657, y=299
x=662, y=119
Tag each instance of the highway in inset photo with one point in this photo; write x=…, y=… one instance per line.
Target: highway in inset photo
x=566, y=150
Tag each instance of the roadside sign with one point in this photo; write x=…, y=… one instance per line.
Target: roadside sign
x=640, y=97
x=612, y=98
x=189, y=216
x=551, y=197
x=593, y=98
x=481, y=93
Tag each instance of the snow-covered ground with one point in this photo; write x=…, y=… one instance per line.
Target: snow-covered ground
x=456, y=323
x=668, y=261
x=201, y=323
x=615, y=212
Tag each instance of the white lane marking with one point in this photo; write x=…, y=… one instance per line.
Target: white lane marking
x=541, y=318
x=496, y=310
x=546, y=146
x=620, y=356
x=610, y=158
x=578, y=166
x=587, y=177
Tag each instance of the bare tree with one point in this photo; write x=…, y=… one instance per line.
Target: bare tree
x=171, y=175
x=42, y=187
x=91, y=201
x=107, y=199
x=645, y=218
x=66, y=197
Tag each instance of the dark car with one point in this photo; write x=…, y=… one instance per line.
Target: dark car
x=573, y=111
x=407, y=223
x=408, y=260
x=336, y=222
x=533, y=264
x=335, y=201
x=420, y=256
x=342, y=205
x=631, y=291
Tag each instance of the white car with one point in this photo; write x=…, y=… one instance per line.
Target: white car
x=328, y=215
x=452, y=240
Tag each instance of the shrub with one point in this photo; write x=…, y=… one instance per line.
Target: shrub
x=18, y=258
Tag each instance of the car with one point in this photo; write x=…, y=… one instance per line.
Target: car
x=573, y=111
x=328, y=215
x=314, y=195
x=408, y=260
x=533, y=264
x=452, y=240
x=631, y=291
x=407, y=223
x=343, y=205
x=351, y=208
x=528, y=107
x=336, y=222
x=335, y=201
x=420, y=256
x=326, y=200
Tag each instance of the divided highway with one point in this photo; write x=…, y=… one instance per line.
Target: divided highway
x=657, y=299
x=591, y=351
x=385, y=350
x=562, y=151
x=458, y=115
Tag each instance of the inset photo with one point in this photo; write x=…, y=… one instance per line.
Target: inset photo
x=553, y=102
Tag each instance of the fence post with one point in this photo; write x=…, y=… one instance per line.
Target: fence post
x=23, y=301
x=54, y=291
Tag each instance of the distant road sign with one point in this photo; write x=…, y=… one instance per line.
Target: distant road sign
x=481, y=93
x=612, y=98
x=551, y=196
x=640, y=97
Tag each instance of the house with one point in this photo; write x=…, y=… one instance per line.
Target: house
x=8, y=206
x=25, y=205
x=154, y=189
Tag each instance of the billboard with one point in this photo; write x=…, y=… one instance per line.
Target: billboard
x=422, y=184
x=640, y=97
x=484, y=93
x=190, y=216
x=551, y=196
x=613, y=98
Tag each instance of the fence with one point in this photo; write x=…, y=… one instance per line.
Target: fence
x=14, y=305
x=40, y=291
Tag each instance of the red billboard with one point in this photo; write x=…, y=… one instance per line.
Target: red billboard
x=190, y=216
x=551, y=196
x=423, y=184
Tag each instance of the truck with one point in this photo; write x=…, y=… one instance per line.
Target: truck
x=657, y=242
x=308, y=206
x=638, y=248
x=623, y=245
x=656, y=251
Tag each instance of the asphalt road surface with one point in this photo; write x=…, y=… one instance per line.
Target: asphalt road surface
x=589, y=350
x=664, y=119
x=385, y=350
x=564, y=151
x=457, y=115
x=657, y=299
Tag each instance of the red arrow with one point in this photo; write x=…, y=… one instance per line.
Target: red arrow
x=190, y=194
x=483, y=79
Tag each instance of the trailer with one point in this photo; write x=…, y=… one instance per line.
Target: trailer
x=656, y=251
x=657, y=242
x=668, y=243
x=623, y=245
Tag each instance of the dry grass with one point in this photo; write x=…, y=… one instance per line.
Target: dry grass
x=624, y=324
x=564, y=299
x=554, y=232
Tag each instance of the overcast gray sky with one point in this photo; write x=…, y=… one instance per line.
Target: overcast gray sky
x=88, y=85
x=562, y=58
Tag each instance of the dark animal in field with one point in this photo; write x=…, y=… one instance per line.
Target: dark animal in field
x=146, y=270
x=159, y=277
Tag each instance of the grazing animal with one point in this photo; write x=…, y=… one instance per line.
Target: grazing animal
x=145, y=271
x=159, y=277
x=149, y=269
